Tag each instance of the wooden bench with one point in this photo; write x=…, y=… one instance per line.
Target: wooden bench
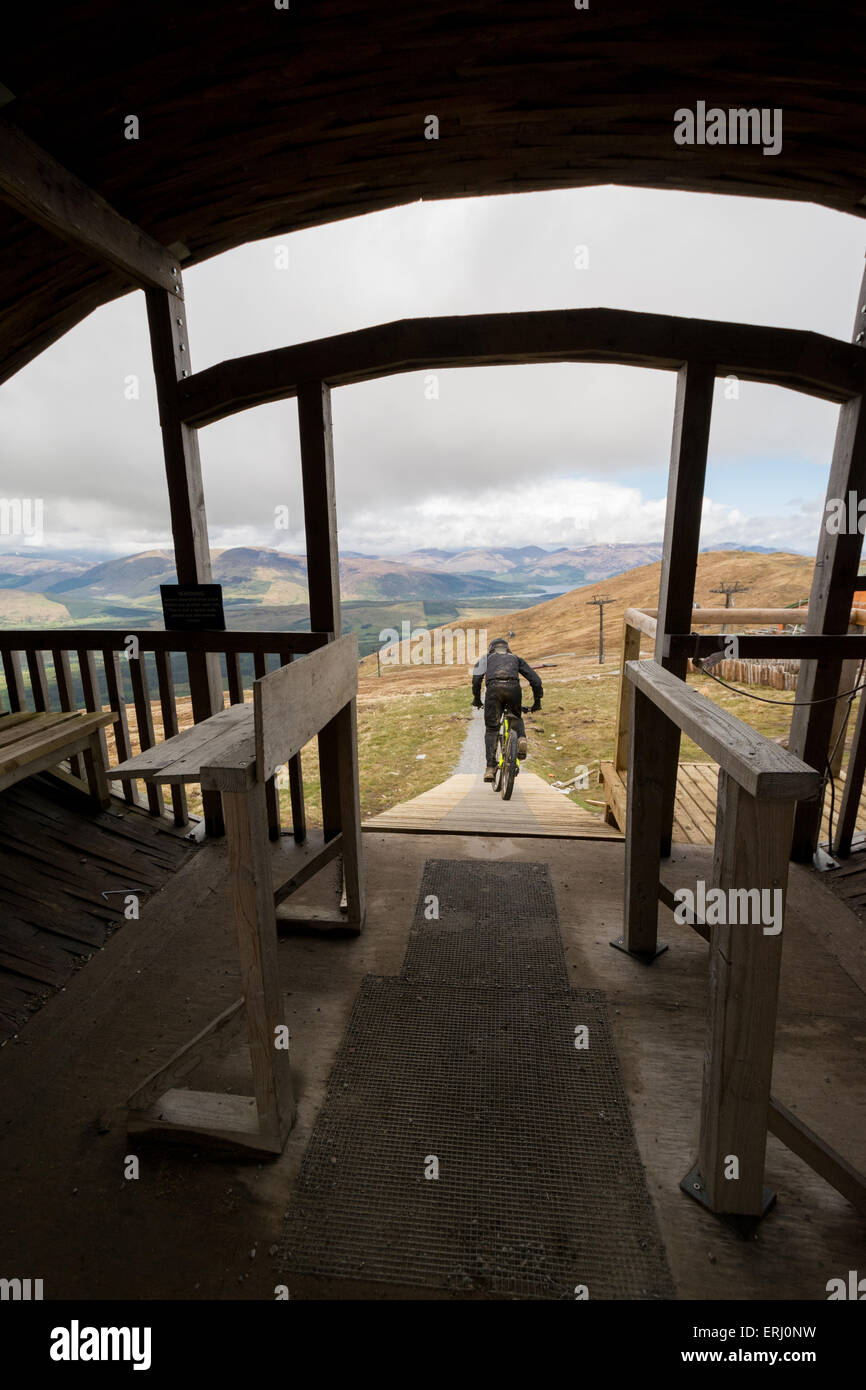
x=31, y=743
x=236, y=752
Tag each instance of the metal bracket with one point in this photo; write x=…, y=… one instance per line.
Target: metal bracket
x=744, y=1224
x=645, y=957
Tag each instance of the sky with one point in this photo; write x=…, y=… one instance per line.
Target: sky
x=549, y=455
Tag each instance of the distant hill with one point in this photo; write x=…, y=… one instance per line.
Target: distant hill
x=533, y=564
x=18, y=608
x=569, y=623
x=261, y=578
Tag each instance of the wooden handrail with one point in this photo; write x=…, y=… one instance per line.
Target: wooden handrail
x=760, y=766
x=157, y=640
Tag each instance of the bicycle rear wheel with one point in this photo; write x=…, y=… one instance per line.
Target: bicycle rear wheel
x=509, y=765
x=497, y=776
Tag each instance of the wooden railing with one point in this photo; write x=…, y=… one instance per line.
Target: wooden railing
x=638, y=623
x=760, y=784
x=88, y=668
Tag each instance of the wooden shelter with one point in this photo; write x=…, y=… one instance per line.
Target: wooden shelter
x=120, y=164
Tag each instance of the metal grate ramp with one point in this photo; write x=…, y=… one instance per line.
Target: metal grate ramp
x=540, y=1186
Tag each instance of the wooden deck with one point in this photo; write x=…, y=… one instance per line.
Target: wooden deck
x=695, y=812
x=466, y=805
x=59, y=857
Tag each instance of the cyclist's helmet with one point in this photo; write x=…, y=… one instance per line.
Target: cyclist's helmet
x=498, y=644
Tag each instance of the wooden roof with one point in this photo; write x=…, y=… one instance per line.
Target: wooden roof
x=255, y=121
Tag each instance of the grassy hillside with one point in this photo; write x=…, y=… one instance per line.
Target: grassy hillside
x=20, y=608
x=569, y=623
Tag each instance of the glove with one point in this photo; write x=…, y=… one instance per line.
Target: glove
x=535, y=707
x=476, y=703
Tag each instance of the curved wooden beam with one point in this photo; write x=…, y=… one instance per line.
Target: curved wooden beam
x=802, y=361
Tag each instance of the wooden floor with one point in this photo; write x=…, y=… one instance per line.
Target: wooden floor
x=466, y=805
x=695, y=813
x=58, y=859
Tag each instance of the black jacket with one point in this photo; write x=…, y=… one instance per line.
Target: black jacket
x=504, y=668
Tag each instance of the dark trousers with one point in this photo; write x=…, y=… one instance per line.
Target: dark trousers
x=502, y=696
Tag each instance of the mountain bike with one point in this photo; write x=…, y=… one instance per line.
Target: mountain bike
x=507, y=761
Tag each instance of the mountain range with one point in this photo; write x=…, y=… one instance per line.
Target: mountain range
x=52, y=585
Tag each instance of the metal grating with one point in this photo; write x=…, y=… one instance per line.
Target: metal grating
x=497, y=925
x=540, y=1184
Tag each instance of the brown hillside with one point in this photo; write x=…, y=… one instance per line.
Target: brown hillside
x=570, y=624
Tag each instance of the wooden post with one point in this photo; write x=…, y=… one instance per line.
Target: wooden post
x=63, y=677
x=644, y=807
x=38, y=681
x=253, y=898
x=117, y=703
x=14, y=682
x=272, y=795
x=631, y=637
x=834, y=580
x=144, y=725
x=296, y=786
x=691, y=435
x=345, y=734
x=323, y=562
x=751, y=852
x=165, y=681
x=171, y=363
x=842, y=710
x=853, y=790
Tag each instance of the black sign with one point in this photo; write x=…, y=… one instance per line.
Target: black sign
x=193, y=607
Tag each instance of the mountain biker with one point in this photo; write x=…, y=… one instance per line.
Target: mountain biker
x=502, y=670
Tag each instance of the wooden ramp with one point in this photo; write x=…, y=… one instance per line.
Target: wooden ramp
x=466, y=805
x=695, y=813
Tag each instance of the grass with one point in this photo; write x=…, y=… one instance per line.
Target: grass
x=577, y=725
x=406, y=745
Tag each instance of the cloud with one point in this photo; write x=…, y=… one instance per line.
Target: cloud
x=497, y=443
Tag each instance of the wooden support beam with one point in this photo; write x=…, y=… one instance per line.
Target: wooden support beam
x=630, y=652
x=171, y=363
x=831, y=1166
x=746, y=617
x=846, y=826
x=38, y=187
x=253, y=899
x=691, y=437
x=323, y=561
x=751, y=852
x=851, y=666
x=354, y=889
x=835, y=577
x=801, y=361
x=646, y=782
x=774, y=647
